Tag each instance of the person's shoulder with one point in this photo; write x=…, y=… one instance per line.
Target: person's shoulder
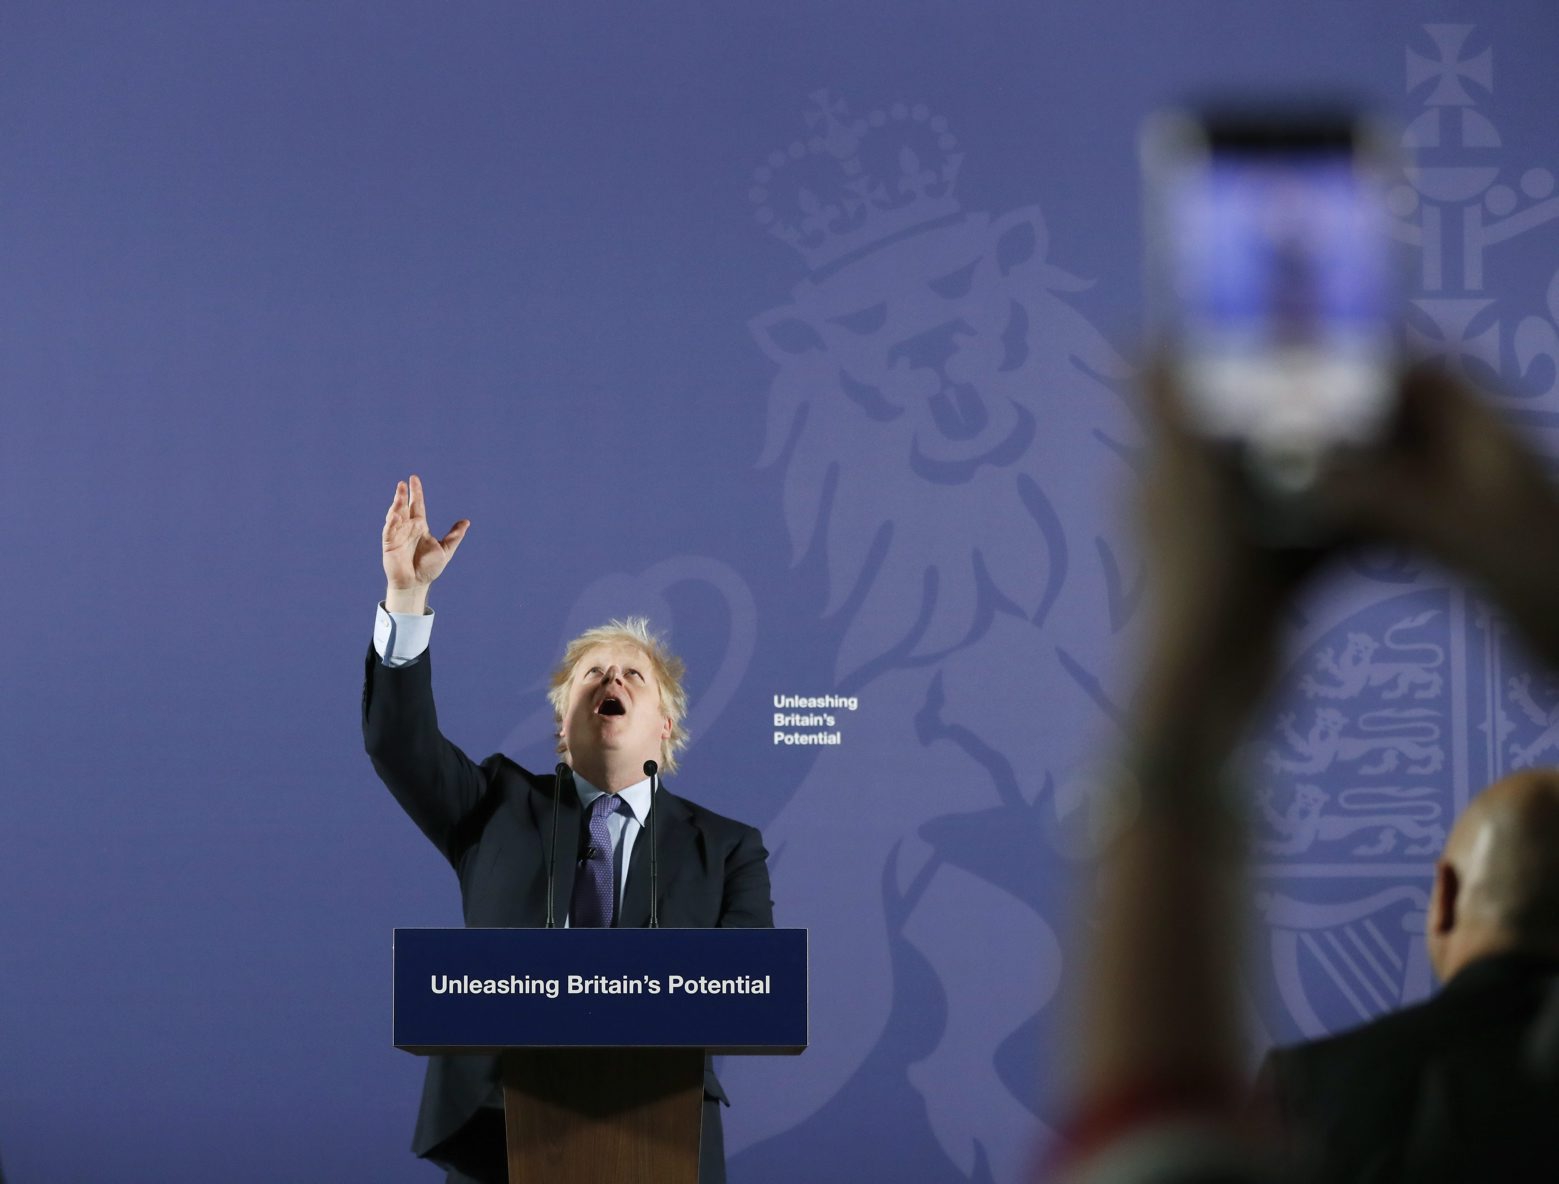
x=1392, y=1037
x=707, y=819
x=1328, y=1086
x=502, y=768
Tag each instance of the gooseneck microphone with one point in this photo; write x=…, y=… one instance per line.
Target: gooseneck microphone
x=653, y=771
x=560, y=773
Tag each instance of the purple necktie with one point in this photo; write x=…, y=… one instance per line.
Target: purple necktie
x=595, y=887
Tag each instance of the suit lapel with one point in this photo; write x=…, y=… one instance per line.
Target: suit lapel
x=678, y=847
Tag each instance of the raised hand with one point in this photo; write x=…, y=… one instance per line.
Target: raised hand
x=413, y=557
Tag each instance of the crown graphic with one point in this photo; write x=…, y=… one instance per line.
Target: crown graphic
x=855, y=182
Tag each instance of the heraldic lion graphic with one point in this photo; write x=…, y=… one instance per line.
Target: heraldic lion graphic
x=951, y=439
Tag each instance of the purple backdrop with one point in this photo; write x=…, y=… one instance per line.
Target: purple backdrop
x=806, y=329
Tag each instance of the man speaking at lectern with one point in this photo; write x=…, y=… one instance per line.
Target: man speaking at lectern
x=618, y=701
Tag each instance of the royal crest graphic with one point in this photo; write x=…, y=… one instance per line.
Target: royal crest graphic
x=1407, y=706
x=1455, y=208
x=949, y=436
x=1360, y=771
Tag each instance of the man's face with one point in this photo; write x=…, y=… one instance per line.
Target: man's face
x=614, y=710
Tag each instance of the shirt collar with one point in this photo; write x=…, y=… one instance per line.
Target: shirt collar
x=637, y=796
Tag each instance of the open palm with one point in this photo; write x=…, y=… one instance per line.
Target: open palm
x=413, y=557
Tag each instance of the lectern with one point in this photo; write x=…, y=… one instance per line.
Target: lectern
x=602, y=1032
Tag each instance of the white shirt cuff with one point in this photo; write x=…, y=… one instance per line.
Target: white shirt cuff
x=400, y=638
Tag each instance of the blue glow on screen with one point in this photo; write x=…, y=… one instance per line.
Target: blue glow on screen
x=1289, y=250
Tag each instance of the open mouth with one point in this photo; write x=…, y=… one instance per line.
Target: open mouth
x=611, y=705
x=953, y=461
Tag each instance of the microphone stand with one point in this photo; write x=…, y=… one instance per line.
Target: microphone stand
x=559, y=774
x=651, y=768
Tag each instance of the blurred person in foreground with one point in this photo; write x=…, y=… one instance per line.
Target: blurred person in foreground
x=1461, y=1088
x=618, y=703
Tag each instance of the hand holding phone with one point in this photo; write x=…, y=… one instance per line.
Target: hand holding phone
x=1276, y=289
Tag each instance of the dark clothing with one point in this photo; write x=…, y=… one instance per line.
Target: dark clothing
x=1448, y=1090
x=492, y=822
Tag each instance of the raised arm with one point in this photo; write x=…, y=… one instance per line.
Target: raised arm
x=1160, y=1010
x=434, y=781
x=1159, y=1022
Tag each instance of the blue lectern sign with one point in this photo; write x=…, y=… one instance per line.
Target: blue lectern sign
x=727, y=990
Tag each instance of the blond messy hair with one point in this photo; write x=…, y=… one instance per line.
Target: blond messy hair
x=668, y=668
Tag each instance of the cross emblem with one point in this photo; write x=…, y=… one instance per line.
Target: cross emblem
x=1450, y=68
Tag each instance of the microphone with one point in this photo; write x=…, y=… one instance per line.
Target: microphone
x=652, y=770
x=561, y=772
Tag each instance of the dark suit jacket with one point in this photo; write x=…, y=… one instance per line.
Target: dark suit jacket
x=1449, y=1090
x=493, y=821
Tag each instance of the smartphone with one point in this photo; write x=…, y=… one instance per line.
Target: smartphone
x=1275, y=283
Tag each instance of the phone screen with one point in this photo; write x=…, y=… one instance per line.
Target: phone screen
x=1278, y=285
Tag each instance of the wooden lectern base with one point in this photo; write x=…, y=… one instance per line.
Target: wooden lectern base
x=603, y=1116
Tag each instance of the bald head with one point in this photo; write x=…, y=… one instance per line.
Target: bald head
x=1497, y=883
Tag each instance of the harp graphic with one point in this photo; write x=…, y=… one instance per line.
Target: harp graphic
x=1355, y=959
